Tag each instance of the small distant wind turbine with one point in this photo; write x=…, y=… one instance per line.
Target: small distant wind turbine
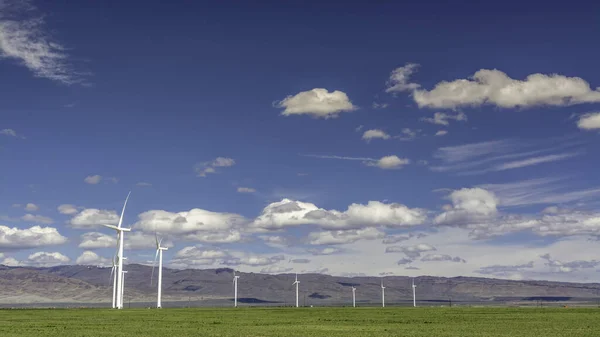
x=113, y=275
x=120, y=233
x=235, y=287
x=414, y=293
x=159, y=255
x=382, y=294
x=296, y=283
x=353, y=297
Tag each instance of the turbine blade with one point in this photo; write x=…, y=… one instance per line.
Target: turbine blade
x=123, y=211
x=153, y=265
x=156, y=239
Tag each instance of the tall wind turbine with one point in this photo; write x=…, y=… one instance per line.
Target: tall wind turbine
x=296, y=283
x=235, y=282
x=414, y=293
x=120, y=233
x=159, y=254
x=382, y=294
x=353, y=297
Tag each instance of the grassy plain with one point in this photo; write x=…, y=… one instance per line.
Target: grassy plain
x=347, y=322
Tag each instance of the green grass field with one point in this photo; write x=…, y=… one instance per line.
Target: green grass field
x=546, y=322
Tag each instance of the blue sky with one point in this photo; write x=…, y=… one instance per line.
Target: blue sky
x=456, y=141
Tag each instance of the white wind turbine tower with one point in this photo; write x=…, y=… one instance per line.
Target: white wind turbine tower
x=296, y=283
x=120, y=233
x=382, y=294
x=159, y=254
x=414, y=293
x=353, y=297
x=123, y=286
x=235, y=287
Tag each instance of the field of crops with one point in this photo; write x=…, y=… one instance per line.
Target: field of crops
x=347, y=322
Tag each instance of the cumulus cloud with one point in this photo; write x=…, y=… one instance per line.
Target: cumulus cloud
x=95, y=240
x=506, y=271
x=143, y=184
x=286, y=213
x=399, y=78
x=190, y=257
x=67, y=209
x=37, y=219
x=338, y=237
x=40, y=259
x=495, y=87
x=374, y=133
x=411, y=252
x=193, y=223
x=318, y=103
x=300, y=261
x=274, y=240
x=325, y=251
x=407, y=134
x=31, y=207
x=246, y=190
x=590, y=121
x=469, y=205
x=275, y=270
x=441, y=258
x=92, y=217
x=89, y=258
x=442, y=118
x=24, y=40
x=404, y=261
x=391, y=239
x=568, y=267
x=36, y=236
x=202, y=169
x=389, y=162
x=93, y=180
x=441, y=133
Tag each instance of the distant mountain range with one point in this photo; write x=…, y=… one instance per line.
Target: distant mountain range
x=90, y=284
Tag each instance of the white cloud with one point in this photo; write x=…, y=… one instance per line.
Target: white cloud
x=8, y=132
x=505, y=271
x=44, y=259
x=31, y=207
x=95, y=240
x=92, y=217
x=441, y=133
x=338, y=237
x=36, y=236
x=93, y=180
x=469, y=205
x=375, y=133
x=318, y=103
x=442, y=118
x=412, y=252
x=324, y=251
x=200, y=256
x=398, y=80
x=461, y=153
x=288, y=212
x=494, y=87
x=202, y=169
x=274, y=240
x=193, y=225
x=533, y=161
x=67, y=209
x=37, y=219
x=380, y=105
x=22, y=38
x=89, y=258
x=246, y=190
x=143, y=184
x=590, y=121
x=389, y=162
x=301, y=261
x=11, y=262
x=407, y=134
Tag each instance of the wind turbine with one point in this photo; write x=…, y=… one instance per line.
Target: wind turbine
x=120, y=233
x=353, y=297
x=382, y=294
x=235, y=284
x=159, y=254
x=414, y=293
x=113, y=275
x=296, y=283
